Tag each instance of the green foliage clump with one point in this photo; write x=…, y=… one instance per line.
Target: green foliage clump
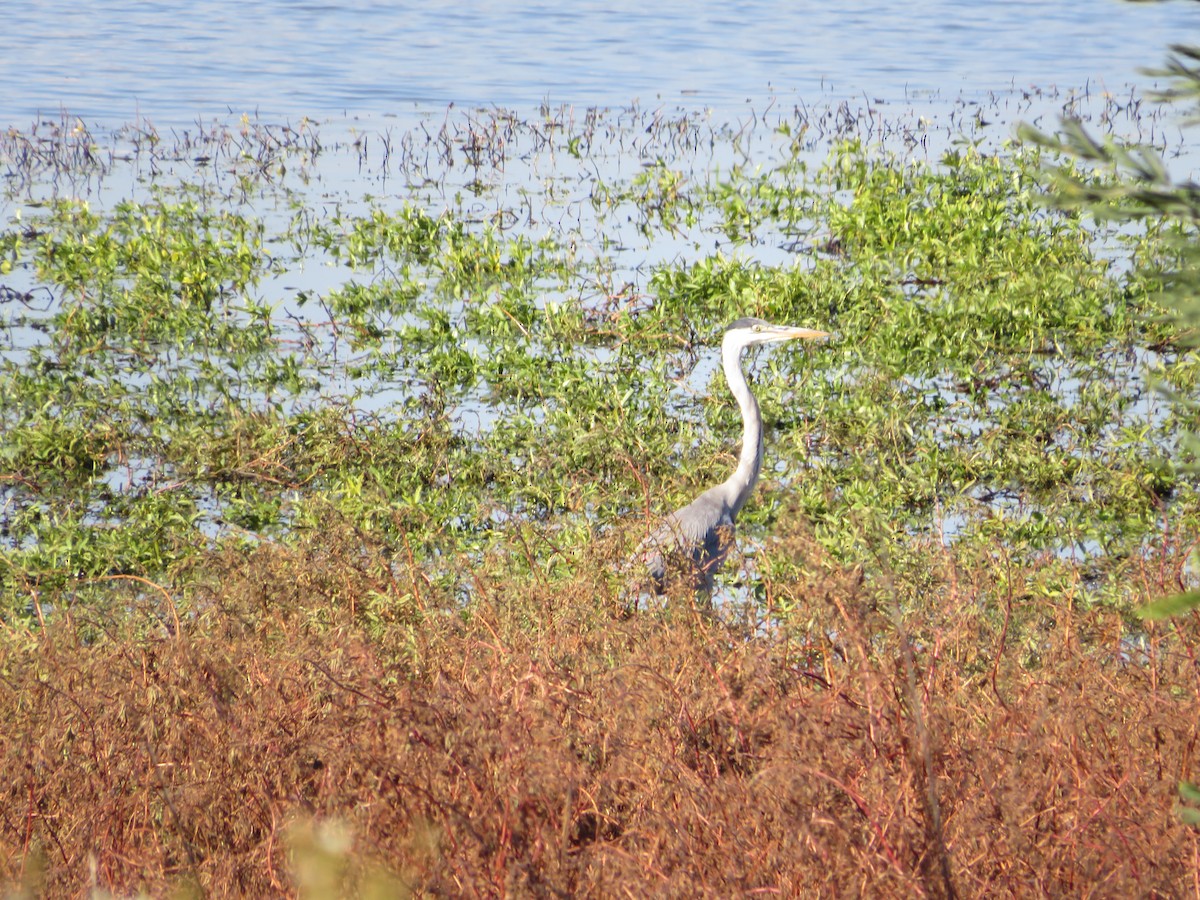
x=451, y=376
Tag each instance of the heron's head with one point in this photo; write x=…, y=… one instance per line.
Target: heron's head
x=750, y=331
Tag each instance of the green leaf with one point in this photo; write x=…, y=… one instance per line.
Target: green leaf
x=1189, y=792
x=1189, y=816
x=1170, y=606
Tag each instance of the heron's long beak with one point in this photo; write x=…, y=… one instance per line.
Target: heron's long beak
x=803, y=334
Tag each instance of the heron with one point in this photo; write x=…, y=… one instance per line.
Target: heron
x=697, y=537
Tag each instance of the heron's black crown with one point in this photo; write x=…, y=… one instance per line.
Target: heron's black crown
x=745, y=322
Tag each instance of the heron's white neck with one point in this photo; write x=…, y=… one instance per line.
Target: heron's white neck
x=741, y=483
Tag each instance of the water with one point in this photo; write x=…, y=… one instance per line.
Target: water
x=173, y=63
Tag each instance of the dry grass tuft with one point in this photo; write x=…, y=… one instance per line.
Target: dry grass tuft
x=545, y=744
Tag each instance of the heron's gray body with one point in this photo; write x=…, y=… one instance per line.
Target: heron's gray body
x=698, y=537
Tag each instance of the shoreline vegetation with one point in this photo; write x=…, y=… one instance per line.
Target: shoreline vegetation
x=318, y=458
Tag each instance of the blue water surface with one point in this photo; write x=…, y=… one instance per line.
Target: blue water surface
x=173, y=63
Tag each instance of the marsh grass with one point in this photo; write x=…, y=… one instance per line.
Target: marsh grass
x=540, y=741
x=312, y=505
x=978, y=331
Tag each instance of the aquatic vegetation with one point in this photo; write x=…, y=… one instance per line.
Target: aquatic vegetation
x=455, y=375
x=317, y=437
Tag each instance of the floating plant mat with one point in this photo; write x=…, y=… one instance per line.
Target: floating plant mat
x=484, y=328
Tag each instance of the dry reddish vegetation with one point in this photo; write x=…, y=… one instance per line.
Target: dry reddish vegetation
x=548, y=745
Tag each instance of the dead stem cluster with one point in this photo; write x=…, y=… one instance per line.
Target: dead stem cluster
x=542, y=743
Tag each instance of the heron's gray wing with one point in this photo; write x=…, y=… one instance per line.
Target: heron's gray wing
x=699, y=533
